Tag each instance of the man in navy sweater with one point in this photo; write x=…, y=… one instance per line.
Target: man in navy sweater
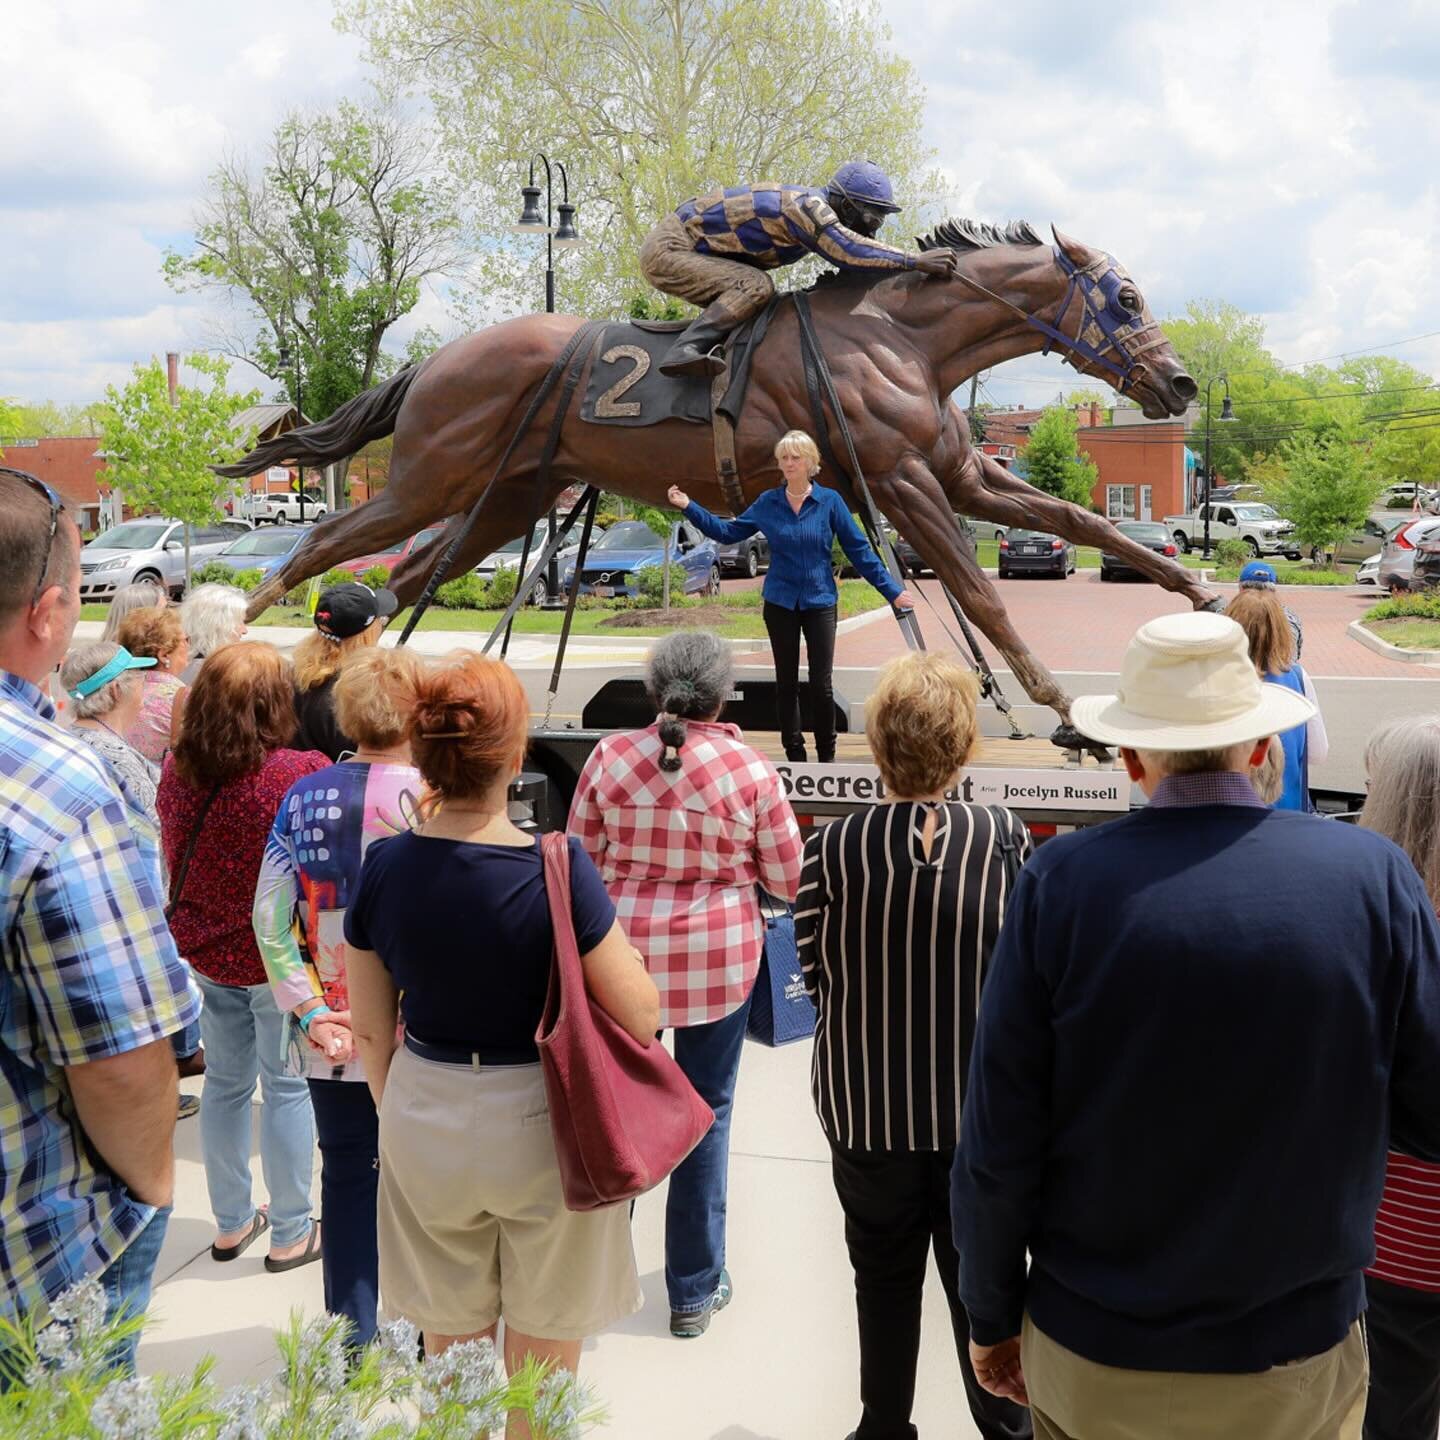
x=1201, y=1026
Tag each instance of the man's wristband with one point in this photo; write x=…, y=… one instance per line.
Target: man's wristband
x=310, y=1016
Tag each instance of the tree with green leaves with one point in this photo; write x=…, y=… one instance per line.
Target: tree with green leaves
x=159, y=455
x=325, y=243
x=1053, y=462
x=1325, y=484
x=42, y=419
x=647, y=102
x=10, y=423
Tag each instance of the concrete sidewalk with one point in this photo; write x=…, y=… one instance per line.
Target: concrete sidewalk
x=781, y=1363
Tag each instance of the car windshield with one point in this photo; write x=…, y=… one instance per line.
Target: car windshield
x=135, y=536
x=629, y=535
x=1028, y=535
x=1143, y=530
x=1257, y=512
x=264, y=542
x=538, y=537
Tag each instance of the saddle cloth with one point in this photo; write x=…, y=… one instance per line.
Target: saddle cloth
x=626, y=387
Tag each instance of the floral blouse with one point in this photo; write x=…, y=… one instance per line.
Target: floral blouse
x=150, y=734
x=325, y=824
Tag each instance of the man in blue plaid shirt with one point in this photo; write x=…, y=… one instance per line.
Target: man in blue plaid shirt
x=91, y=986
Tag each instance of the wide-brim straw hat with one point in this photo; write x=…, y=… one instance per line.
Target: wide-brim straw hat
x=1187, y=683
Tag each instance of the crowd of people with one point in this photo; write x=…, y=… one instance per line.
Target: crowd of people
x=1161, y=1098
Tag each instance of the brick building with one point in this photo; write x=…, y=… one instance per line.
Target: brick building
x=1145, y=469
x=73, y=466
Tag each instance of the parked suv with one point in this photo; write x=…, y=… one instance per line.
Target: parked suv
x=150, y=549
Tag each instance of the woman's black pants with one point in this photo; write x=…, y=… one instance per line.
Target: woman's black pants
x=818, y=627
x=1402, y=1331
x=897, y=1210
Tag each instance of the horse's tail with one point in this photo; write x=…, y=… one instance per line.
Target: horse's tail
x=369, y=416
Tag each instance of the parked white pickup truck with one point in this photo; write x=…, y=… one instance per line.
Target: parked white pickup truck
x=282, y=509
x=1260, y=526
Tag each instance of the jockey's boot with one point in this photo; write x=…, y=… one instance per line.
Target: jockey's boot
x=699, y=348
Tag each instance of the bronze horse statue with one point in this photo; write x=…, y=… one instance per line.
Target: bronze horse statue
x=897, y=345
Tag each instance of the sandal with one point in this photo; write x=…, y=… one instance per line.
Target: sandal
x=308, y=1256
x=258, y=1226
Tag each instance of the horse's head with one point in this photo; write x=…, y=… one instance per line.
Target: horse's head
x=1104, y=328
x=1081, y=300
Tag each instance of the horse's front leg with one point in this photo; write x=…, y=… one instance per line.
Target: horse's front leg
x=990, y=492
x=916, y=502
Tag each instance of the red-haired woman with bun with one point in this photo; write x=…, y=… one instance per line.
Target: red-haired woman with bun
x=449, y=929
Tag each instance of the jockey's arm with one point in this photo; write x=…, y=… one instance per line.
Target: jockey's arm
x=816, y=226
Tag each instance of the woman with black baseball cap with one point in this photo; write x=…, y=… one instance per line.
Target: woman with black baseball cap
x=348, y=617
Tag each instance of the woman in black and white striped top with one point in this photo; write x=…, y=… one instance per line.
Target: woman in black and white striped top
x=898, y=911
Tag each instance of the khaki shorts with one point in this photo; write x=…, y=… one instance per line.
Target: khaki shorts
x=1071, y=1398
x=472, y=1225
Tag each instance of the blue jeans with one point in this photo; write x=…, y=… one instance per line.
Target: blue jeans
x=349, y=1132
x=695, y=1207
x=244, y=1036
x=128, y=1280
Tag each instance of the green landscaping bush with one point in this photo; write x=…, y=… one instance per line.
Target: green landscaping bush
x=465, y=592
x=248, y=580
x=377, y=577
x=212, y=572
x=1422, y=605
x=336, y=575
x=1232, y=554
x=650, y=581
x=501, y=590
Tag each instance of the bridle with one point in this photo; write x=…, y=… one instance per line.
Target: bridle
x=1105, y=324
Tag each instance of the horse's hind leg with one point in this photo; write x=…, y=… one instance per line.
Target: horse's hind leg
x=368, y=527
x=914, y=500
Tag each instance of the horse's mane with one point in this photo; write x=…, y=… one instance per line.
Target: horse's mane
x=962, y=234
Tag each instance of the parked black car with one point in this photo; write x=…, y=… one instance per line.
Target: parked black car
x=1149, y=533
x=745, y=557
x=1033, y=552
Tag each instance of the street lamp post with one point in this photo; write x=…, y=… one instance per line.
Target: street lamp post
x=284, y=357
x=1226, y=413
x=564, y=237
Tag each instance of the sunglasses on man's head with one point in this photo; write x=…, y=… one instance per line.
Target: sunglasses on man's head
x=56, y=506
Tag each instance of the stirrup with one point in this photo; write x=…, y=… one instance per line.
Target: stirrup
x=691, y=360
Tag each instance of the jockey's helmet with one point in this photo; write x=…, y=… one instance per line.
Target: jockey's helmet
x=863, y=183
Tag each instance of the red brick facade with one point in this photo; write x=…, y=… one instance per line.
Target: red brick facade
x=69, y=464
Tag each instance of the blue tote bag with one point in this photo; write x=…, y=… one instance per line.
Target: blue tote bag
x=780, y=1010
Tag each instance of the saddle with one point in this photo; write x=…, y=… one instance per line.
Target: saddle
x=625, y=386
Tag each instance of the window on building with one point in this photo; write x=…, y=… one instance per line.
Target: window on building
x=1120, y=502
x=1146, y=503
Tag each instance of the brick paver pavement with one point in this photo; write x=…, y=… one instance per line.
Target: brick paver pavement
x=1081, y=624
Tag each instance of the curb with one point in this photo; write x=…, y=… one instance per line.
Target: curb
x=857, y=622
x=1357, y=631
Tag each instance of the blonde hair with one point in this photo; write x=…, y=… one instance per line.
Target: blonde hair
x=1402, y=766
x=1261, y=616
x=797, y=442
x=374, y=695
x=920, y=721
x=317, y=657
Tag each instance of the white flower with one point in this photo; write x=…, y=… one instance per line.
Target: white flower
x=126, y=1410
x=82, y=1306
x=322, y=1352
x=401, y=1340
x=53, y=1343
x=558, y=1405
x=240, y=1409
x=466, y=1374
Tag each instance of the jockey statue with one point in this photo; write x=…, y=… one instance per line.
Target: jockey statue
x=715, y=249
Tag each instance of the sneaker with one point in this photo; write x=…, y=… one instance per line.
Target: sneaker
x=189, y=1106
x=691, y=1324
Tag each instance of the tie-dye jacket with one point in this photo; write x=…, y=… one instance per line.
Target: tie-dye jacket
x=312, y=859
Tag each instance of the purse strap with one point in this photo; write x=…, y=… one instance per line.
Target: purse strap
x=1006, y=844
x=177, y=876
x=555, y=864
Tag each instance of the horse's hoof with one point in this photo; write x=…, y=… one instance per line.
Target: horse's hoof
x=1215, y=605
x=1067, y=737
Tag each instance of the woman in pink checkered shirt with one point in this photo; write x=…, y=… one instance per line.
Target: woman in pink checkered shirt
x=683, y=820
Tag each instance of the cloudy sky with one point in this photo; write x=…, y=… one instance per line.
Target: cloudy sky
x=1272, y=154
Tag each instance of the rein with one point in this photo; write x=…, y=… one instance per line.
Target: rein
x=1099, y=321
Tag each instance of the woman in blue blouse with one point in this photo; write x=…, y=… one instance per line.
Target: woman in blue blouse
x=799, y=519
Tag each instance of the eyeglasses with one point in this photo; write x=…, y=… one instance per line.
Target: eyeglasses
x=56, y=506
